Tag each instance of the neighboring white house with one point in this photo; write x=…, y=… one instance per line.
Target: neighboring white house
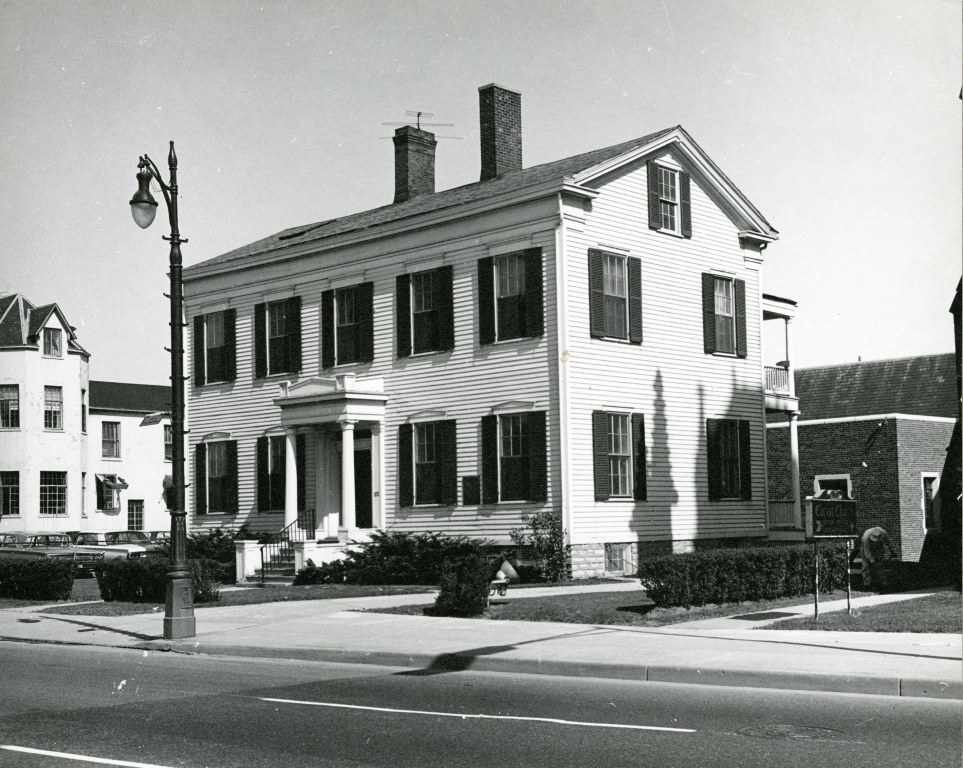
x=583, y=336
x=57, y=427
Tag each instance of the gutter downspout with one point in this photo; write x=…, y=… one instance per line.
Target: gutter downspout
x=561, y=321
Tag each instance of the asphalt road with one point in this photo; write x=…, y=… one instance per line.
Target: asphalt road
x=58, y=703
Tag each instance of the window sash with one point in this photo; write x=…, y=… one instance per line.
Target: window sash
x=422, y=292
x=110, y=440
x=620, y=455
x=513, y=458
x=53, y=406
x=510, y=275
x=215, y=345
x=217, y=478
x=346, y=330
x=669, y=198
x=10, y=406
x=725, y=316
x=9, y=493
x=729, y=474
x=51, y=342
x=135, y=515
x=53, y=493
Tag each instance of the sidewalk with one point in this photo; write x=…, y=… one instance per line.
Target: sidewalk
x=711, y=652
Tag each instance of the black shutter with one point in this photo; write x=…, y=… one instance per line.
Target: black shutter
x=713, y=459
x=260, y=341
x=263, y=479
x=640, y=490
x=489, y=456
x=596, y=293
x=708, y=312
x=745, y=462
x=537, y=457
x=292, y=314
x=684, y=204
x=635, y=299
x=230, y=344
x=445, y=309
x=739, y=289
x=231, y=456
x=364, y=296
x=655, y=210
x=100, y=494
x=327, y=329
x=200, y=479
x=534, y=310
x=403, y=314
x=600, y=454
x=300, y=455
x=448, y=463
x=198, y=342
x=486, y=300
x=406, y=486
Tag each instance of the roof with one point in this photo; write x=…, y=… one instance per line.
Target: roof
x=512, y=181
x=917, y=386
x=138, y=398
x=21, y=322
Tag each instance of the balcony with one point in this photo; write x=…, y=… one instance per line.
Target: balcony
x=780, y=392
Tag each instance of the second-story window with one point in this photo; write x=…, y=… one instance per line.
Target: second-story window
x=168, y=442
x=10, y=406
x=510, y=296
x=52, y=342
x=724, y=315
x=215, y=347
x=110, y=442
x=347, y=325
x=424, y=314
x=53, y=408
x=277, y=337
x=83, y=411
x=615, y=296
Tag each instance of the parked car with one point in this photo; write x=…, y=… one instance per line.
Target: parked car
x=96, y=541
x=138, y=538
x=159, y=537
x=56, y=546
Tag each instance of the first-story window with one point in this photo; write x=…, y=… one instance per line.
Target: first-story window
x=833, y=487
x=9, y=493
x=728, y=459
x=53, y=493
x=514, y=464
x=427, y=463
x=931, y=486
x=52, y=346
x=10, y=406
x=618, y=441
x=110, y=443
x=135, y=515
x=215, y=478
x=53, y=408
x=271, y=470
x=168, y=442
x=108, y=492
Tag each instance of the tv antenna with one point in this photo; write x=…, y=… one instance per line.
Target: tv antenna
x=418, y=114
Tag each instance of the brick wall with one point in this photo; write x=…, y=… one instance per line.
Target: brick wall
x=922, y=448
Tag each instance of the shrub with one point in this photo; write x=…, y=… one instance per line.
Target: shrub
x=394, y=558
x=463, y=586
x=144, y=580
x=741, y=574
x=546, y=538
x=36, y=579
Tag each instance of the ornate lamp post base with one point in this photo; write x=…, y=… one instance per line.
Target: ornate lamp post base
x=179, y=611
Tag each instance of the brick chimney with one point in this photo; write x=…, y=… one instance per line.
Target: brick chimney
x=414, y=163
x=500, y=116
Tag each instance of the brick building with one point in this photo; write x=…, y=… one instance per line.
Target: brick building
x=878, y=433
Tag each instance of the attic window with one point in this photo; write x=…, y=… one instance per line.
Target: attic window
x=52, y=346
x=669, y=203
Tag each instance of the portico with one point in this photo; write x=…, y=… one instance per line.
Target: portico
x=343, y=417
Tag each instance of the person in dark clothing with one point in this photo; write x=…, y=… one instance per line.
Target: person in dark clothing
x=874, y=545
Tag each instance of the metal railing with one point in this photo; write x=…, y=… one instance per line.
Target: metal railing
x=777, y=380
x=281, y=551
x=782, y=513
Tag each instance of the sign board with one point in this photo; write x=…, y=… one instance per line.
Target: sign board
x=831, y=519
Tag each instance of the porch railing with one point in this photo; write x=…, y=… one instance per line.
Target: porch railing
x=279, y=554
x=777, y=379
x=782, y=513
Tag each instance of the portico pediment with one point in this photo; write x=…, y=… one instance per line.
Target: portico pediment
x=343, y=397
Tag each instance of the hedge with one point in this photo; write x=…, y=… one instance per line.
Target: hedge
x=144, y=580
x=740, y=574
x=463, y=586
x=36, y=579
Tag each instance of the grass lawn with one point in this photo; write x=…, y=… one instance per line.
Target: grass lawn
x=934, y=613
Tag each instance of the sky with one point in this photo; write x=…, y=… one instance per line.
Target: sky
x=839, y=120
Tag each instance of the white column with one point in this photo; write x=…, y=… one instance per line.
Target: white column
x=789, y=357
x=290, y=477
x=347, y=480
x=377, y=477
x=794, y=468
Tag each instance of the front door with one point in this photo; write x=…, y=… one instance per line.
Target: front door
x=362, y=488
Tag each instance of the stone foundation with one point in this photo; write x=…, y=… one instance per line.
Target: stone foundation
x=588, y=560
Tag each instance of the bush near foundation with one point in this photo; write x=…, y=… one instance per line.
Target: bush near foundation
x=740, y=574
x=464, y=585
x=40, y=579
x=144, y=580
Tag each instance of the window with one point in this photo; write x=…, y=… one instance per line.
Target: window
x=83, y=410
x=277, y=337
x=724, y=315
x=618, y=448
x=670, y=208
x=9, y=493
x=931, y=485
x=513, y=457
x=10, y=406
x=110, y=440
x=51, y=342
x=425, y=320
x=215, y=478
x=53, y=493
x=168, y=442
x=615, y=296
x=347, y=325
x=215, y=347
x=108, y=492
x=616, y=558
x=271, y=473
x=510, y=296
x=427, y=463
x=833, y=487
x=53, y=408
x=728, y=459
x=135, y=515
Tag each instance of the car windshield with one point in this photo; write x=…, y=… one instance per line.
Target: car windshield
x=126, y=537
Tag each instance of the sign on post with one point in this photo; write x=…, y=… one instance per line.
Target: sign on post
x=831, y=519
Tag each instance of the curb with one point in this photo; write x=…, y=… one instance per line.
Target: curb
x=427, y=664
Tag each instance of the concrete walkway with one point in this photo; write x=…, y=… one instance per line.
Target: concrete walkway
x=728, y=651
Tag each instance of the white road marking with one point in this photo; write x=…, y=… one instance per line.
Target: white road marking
x=84, y=758
x=554, y=720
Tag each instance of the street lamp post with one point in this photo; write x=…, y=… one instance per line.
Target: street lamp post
x=179, y=607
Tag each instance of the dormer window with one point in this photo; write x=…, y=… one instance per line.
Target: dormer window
x=52, y=346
